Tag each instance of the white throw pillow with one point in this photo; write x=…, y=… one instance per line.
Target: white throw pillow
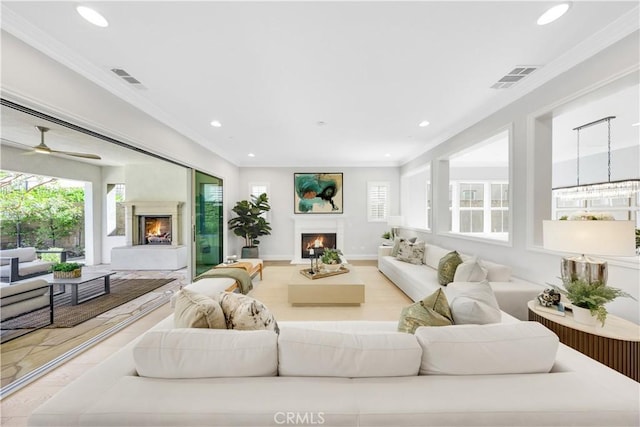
x=206, y=353
x=193, y=310
x=473, y=303
x=470, y=271
x=314, y=353
x=503, y=348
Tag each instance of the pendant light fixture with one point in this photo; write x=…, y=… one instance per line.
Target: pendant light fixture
x=602, y=190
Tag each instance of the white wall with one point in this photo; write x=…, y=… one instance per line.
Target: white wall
x=361, y=237
x=531, y=175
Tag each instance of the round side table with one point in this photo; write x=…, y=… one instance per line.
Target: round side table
x=616, y=345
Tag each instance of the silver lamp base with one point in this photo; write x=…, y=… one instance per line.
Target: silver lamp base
x=584, y=268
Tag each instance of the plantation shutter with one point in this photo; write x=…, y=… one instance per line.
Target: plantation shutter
x=378, y=201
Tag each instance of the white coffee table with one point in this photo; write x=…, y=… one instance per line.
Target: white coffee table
x=341, y=289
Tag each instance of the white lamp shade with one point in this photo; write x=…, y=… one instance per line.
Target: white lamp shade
x=599, y=237
x=395, y=221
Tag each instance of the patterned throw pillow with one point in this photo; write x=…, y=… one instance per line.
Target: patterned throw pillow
x=431, y=311
x=447, y=267
x=245, y=313
x=194, y=310
x=396, y=246
x=413, y=253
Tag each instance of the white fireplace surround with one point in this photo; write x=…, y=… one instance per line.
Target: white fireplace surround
x=134, y=210
x=320, y=223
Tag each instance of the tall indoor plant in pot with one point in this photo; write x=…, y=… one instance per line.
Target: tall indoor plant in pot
x=250, y=223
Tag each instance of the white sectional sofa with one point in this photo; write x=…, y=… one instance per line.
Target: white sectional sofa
x=346, y=373
x=420, y=280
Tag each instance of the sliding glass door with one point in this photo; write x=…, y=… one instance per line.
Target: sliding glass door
x=208, y=222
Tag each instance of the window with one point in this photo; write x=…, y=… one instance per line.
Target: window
x=479, y=189
x=258, y=188
x=115, y=209
x=377, y=201
x=481, y=208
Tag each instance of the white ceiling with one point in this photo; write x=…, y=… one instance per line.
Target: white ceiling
x=270, y=71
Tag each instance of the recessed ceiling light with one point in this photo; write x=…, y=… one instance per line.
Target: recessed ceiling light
x=216, y=124
x=553, y=13
x=424, y=124
x=251, y=155
x=388, y=155
x=92, y=16
x=321, y=123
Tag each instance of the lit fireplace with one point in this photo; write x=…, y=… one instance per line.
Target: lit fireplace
x=155, y=230
x=316, y=241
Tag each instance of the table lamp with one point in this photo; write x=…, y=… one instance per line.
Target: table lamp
x=592, y=237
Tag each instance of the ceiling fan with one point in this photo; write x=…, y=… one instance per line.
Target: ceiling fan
x=43, y=148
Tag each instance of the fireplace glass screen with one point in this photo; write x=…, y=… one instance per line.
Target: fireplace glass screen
x=155, y=230
x=317, y=241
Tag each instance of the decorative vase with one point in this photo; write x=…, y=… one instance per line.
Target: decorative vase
x=331, y=267
x=583, y=315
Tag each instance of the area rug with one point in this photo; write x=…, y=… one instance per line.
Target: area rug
x=66, y=315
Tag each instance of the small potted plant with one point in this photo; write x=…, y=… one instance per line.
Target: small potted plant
x=331, y=259
x=66, y=270
x=588, y=299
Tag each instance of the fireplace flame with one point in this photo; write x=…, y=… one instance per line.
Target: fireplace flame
x=318, y=242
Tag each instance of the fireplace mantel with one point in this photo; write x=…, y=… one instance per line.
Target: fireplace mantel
x=135, y=209
x=320, y=223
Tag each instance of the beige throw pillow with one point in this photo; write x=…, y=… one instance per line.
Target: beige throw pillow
x=193, y=310
x=431, y=311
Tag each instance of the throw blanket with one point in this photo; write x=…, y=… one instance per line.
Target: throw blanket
x=240, y=275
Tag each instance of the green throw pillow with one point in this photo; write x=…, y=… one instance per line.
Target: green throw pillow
x=431, y=311
x=447, y=267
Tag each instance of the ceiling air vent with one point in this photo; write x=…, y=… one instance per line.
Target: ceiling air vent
x=514, y=76
x=127, y=77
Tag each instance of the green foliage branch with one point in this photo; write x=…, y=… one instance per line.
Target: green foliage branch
x=592, y=296
x=250, y=222
x=66, y=266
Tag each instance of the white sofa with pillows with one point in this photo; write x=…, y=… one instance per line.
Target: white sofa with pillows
x=413, y=267
x=341, y=373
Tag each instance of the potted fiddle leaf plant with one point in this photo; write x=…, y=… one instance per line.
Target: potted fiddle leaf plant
x=250, y=223
x=588, y=299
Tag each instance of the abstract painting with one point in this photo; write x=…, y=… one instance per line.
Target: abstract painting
x=317, y=193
